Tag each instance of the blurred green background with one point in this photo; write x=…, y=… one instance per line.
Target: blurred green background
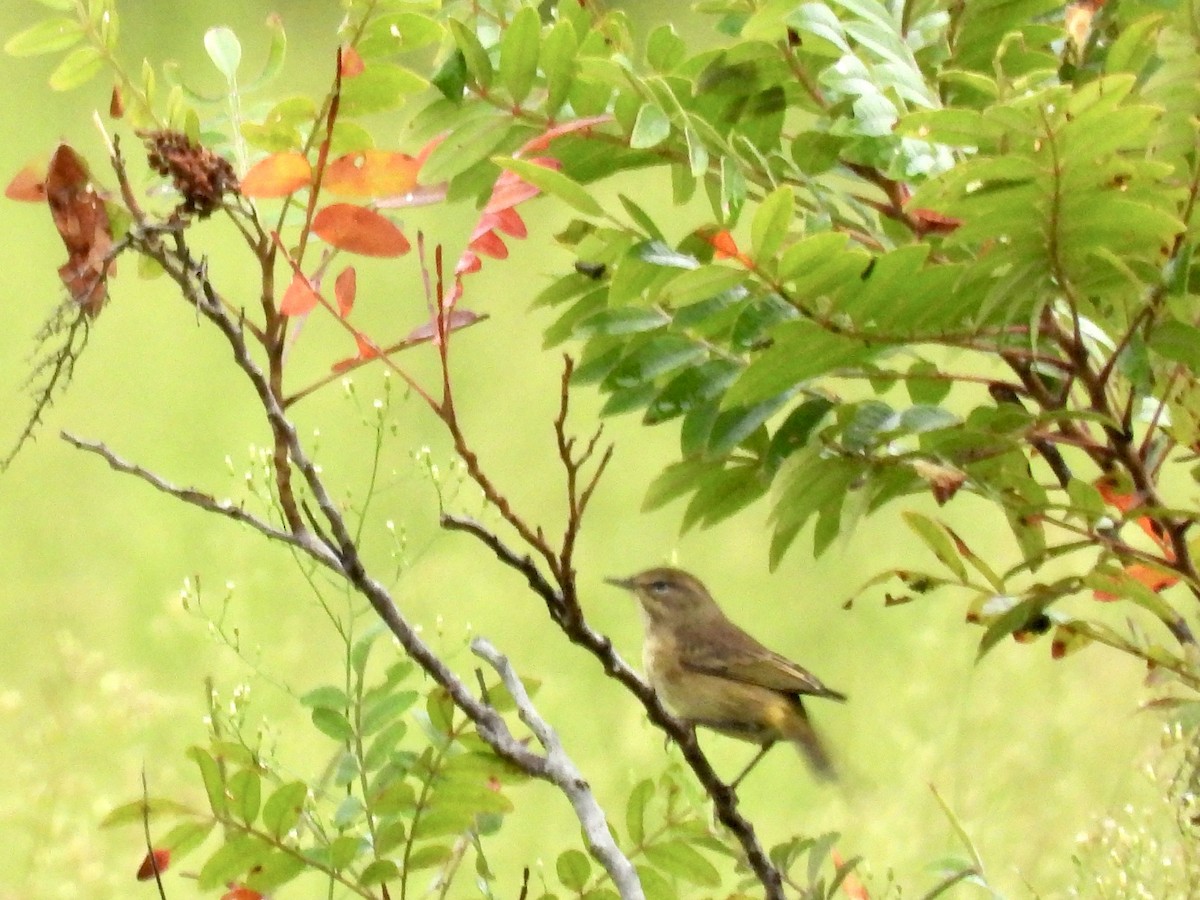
x=104, y=669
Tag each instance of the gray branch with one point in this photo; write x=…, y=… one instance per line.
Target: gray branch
x=561, y=771
x=304, y=541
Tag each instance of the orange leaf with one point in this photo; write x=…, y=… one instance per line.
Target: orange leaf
x=116, y=103
x=344, y=290
x=351, y=63
x=299, y=298
x=371, y=173
x=357, y=229
x=158, y=859
x=1155, y=579
x=277, y=175
x=82, y=222
x=239, y=892
x=27, y=186
x=851, y=886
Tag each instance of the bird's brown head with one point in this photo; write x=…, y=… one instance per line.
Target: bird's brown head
x=669, y=594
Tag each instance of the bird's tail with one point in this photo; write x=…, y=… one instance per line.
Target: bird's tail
x=805, y=737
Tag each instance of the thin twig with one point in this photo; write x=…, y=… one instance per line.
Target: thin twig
x=303, y=541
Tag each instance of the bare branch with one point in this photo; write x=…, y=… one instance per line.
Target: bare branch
x=561, y=771
x=304, y=541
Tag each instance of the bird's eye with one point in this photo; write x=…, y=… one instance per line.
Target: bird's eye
x=659, y=587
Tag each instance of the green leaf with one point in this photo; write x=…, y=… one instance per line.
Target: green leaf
x=700, y=284
x=1013, y=619
x=238, y=855
x=326, y=697
x=771, y=222
x=428, y=856
x=678, y=858
x=653, y=357
x=380, y=871
x=677, y=479
x=214, y=784
x=1134, y=47
x=245, y=794
x=469, y=143
x=519, y=53
x=138, y=810
x=794, y=433
x=694, y=385
x=723, y=493
x=650, y=128
x=79, y=67
x=551, y=182
x=224, y=50
x=332, y=723
x=635, y=811
x=283, y=808
x=386, y=709
x=348, y=812
x=621, y=320
x=378, y=88
x=476, y=57
x=574, y=869
x=276, y=869
x=934, y=536
x=801, y=351
x=47, y=36
x=732, y=426
x=185, y=837
x=1178, y=342
x=558, y=52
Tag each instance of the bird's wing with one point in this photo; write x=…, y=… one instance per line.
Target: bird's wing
x=746, y=660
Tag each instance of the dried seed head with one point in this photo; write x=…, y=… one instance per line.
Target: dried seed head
x=200, y=176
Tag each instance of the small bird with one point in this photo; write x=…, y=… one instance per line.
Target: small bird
x=712, y=673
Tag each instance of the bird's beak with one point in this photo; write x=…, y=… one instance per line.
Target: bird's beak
x=626, y=583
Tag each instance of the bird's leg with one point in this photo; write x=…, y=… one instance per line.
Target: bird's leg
x=733, y=785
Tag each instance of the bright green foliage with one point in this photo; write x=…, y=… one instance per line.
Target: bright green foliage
x=915, y=249
x=394, y=799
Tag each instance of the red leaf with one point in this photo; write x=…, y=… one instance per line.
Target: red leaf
x=508, y=191
x=510, y=222
x=929, y=221
x=27, y=186
x=277, y=175
x=344, y=290
x=82, y=222
x=238, y=892
x=542, y=141
x=371, y=173
x=467, y=263
x=365, y=351
x=299, y=298
x=357, y=229
x=160, y=859
x=350, y=62
x=490, y=244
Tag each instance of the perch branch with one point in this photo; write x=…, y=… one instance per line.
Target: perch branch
x=579, y=632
